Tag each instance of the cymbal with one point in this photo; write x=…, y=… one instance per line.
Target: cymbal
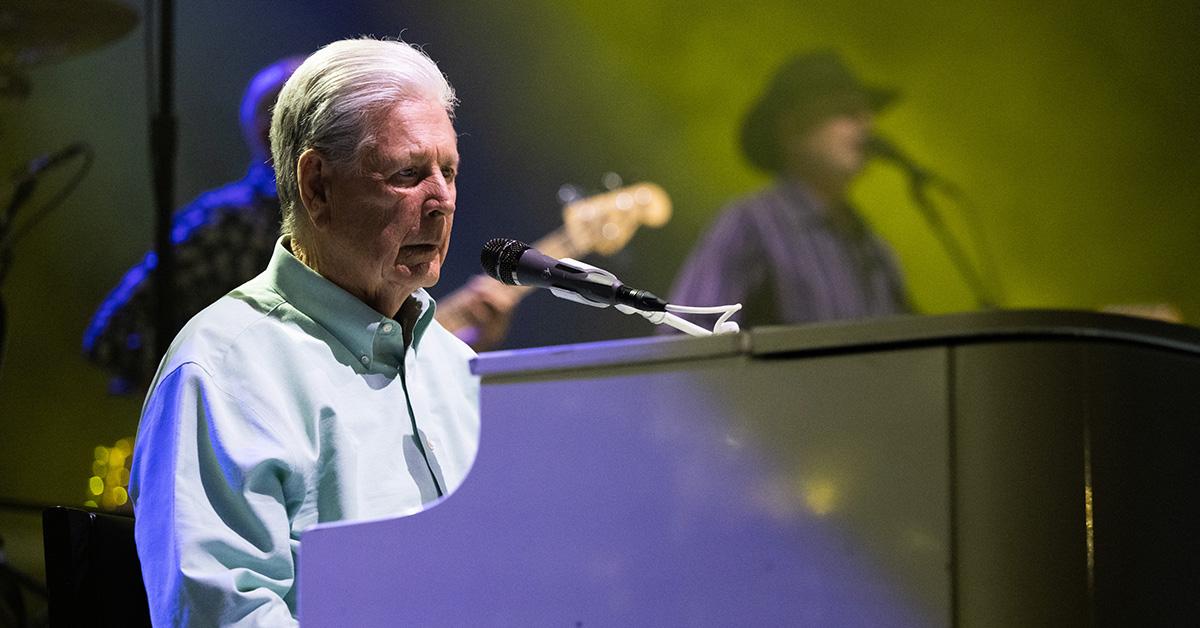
x=33, y=32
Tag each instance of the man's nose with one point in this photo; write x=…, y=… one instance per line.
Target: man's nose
x=440, y=200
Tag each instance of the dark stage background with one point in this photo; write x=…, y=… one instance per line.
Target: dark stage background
x=1073, y=127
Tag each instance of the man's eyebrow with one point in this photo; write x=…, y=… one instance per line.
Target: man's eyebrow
x=379, y=158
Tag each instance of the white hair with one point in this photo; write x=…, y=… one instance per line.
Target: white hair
x=330, y=102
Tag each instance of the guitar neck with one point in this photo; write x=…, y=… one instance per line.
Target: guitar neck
x=601, y=224
x=557, y=244
x=452, y=310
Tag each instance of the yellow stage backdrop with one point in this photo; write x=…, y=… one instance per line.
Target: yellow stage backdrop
x=1073, y=127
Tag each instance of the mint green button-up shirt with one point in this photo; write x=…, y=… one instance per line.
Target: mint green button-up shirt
x=286, y=403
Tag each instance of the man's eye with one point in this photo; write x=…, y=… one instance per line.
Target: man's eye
x=449, y=173
x=403, y=174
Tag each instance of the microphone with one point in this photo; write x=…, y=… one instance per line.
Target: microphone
x=879, y=146
x=517, y=264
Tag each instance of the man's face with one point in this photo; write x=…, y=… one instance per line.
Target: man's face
x=389, y=220
x=840, y=142
x=835, y=146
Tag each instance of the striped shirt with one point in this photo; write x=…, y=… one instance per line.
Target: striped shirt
x=788, y=258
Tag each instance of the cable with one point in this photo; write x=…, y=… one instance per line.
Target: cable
x=52, y=204
x=985, y=285
x=957, y=256
x=988, y=273
x=722, y=326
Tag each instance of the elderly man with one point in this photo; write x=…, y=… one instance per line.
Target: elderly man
x=224, y=238
x=323, y=389
x=798, y=252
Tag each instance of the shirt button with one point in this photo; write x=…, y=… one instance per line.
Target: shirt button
x=387, y=328
x=365, y=359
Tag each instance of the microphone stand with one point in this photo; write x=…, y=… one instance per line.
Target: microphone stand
x=3, y=330
x=163, y=145
x=18, y=198
x=919, y=182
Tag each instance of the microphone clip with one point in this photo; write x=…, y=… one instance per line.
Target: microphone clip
x=593, y=274
x=590, y=274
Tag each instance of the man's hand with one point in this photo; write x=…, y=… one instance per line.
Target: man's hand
x=480, y=312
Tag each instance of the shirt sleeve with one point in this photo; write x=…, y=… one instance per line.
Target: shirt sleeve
x=724, y=268
x=210, y=481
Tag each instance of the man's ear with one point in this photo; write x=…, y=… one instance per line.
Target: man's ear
x=312, y=173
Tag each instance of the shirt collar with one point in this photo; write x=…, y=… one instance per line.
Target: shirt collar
x=802, y=196
x=804, y=201
x=376, y=340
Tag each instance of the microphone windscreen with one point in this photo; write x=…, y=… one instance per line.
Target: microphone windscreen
x=499, y=258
